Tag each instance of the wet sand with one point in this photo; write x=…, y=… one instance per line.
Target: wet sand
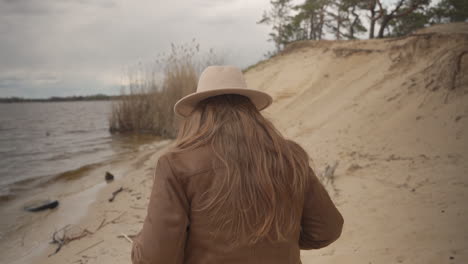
x=82, y=202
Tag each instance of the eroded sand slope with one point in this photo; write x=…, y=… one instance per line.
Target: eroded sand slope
x=394, y=113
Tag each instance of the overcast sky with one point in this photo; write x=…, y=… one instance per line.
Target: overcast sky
x=82, y=47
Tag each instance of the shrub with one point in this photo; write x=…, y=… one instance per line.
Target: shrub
x=147, y=106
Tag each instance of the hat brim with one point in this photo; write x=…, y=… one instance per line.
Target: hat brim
x=186, y=104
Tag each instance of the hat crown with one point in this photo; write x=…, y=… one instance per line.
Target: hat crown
x=221, y=77
x=218, y=80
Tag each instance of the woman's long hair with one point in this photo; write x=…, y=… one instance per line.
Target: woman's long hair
x=261, y=195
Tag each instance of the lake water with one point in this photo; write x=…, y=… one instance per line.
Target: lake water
x=40, y=142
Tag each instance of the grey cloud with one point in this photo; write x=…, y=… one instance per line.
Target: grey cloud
x=46, y=7
x=86, y=44
x=10, y=82
x=24, y=7
x=103, y=4
x=27, y=79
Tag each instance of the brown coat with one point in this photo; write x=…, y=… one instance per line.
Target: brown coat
x=173, y=234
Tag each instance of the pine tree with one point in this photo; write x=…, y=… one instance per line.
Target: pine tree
x=449, y=11
x=278, y=17
x=401, y=9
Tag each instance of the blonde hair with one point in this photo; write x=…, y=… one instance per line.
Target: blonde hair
x=261, y=195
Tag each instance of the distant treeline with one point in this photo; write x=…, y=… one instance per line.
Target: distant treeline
x=350, y=19
x=96, y=97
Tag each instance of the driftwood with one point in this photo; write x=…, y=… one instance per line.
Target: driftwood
x=113, y=221
x=129, y=238
x=114, y=194
x=328, y=173
x=59, y=241
x=64, y=238
x=126, y=237
x=42, y=205
x=93, y=245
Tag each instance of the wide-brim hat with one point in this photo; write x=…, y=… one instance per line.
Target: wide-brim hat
x=218, y=80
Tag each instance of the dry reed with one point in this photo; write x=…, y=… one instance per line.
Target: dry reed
x=146, y=104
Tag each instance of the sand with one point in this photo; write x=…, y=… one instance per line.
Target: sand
x=389, y=112
x=88, y=208
x=393, y=112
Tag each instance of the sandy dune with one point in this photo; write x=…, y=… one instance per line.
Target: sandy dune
x=393, y=112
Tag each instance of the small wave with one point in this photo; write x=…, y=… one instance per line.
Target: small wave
x=96, y=141
x=78, y=131
x=5, y=197
x=12, y=152
x=73, y=174
x=22, y=182
x=13, y=189
x=70, y=155
x=7, y=150
x=7, y=128
x=9, y=192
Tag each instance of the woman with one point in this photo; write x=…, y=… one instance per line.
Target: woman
x=232, y=189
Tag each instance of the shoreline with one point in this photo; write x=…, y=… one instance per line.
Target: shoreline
x=10, y=190
x=78, y=210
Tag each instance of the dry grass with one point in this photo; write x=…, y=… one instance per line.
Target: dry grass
x=147, y=102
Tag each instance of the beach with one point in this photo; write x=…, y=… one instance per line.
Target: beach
x=87, y=209
x=389, y=112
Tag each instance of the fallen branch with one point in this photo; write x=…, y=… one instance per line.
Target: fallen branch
x=114, y=194
x=93, y=245
x=59, y=241
x=329, y=172
x=127, y=238
x=113, y=221
x=65, y=239
x=101, y=225
x=328, y=176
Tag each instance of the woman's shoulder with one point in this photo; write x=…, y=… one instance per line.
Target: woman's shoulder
x=189, y=162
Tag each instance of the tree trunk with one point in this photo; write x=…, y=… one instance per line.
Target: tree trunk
x=385, y=20
x=338, y=24
x=351, y=28
x=312, y=28
x=372, y=23
x=394, y=14
x=320, y=29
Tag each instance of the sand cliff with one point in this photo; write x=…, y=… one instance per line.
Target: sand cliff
x=394, y=113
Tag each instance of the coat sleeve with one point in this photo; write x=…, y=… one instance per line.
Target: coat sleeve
x=321, y=223
x=162, y=238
